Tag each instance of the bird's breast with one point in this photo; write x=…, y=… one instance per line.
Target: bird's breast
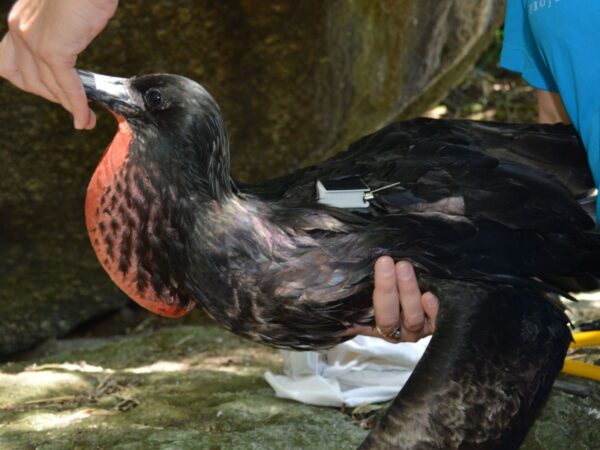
x=121, y=214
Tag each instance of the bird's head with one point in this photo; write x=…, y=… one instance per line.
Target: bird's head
x=169, y=157
x=175, y=125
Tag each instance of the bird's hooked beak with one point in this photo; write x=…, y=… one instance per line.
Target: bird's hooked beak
x=111, y=92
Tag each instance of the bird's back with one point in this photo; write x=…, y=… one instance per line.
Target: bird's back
x=462, y=199
x=436, y=160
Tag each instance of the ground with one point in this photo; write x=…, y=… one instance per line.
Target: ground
x=133, y=381
x=196, y=386
x=171, y=388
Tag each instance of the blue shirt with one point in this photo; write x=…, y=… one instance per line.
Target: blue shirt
x=555, y=45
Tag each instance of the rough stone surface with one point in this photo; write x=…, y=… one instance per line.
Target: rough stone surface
x=567, y=421
x=190, y=387
x=296, y=81
x=176, y=388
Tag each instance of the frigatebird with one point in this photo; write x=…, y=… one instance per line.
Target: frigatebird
x=491, y=215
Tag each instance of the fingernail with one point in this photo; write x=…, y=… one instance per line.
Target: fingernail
x=385, y=266
x=432, y=301
x=76, y=124
x=405, y=270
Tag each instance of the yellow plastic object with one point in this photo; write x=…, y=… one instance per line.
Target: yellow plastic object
x=582, y=369
x=585, y=339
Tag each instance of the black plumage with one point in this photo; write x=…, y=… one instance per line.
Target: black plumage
x=487, y=213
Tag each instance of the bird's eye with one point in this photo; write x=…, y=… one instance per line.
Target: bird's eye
x=154, y=99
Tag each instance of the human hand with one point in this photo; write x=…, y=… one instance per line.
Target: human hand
x=39, y=52
x=399, y=304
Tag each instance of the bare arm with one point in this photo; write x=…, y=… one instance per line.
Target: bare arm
x=550, y=107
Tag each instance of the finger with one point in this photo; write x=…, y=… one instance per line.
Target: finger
x=92, y=123
x=431, y=306
x=8, y=62
x=29, y=72
x=413, y=317
x=70, y=84
x=362, y=330
x=385, y=296
x=48, y=79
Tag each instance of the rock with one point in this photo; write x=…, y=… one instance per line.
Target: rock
x=49, y=277
x=567, y=421
x=296, y=81
x=175, y=388
x=190, y=387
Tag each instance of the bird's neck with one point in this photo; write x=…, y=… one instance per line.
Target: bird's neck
x=191, y=165
x=240, y=228
x=150, y=232
x=236, y=247
x=252, y=217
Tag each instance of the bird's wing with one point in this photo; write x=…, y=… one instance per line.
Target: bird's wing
x=501, y=172
x=465, y=198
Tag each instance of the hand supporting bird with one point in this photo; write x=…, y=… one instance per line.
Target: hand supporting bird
x=402, y=313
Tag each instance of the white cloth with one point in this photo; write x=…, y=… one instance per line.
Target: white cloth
x=361, y=370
